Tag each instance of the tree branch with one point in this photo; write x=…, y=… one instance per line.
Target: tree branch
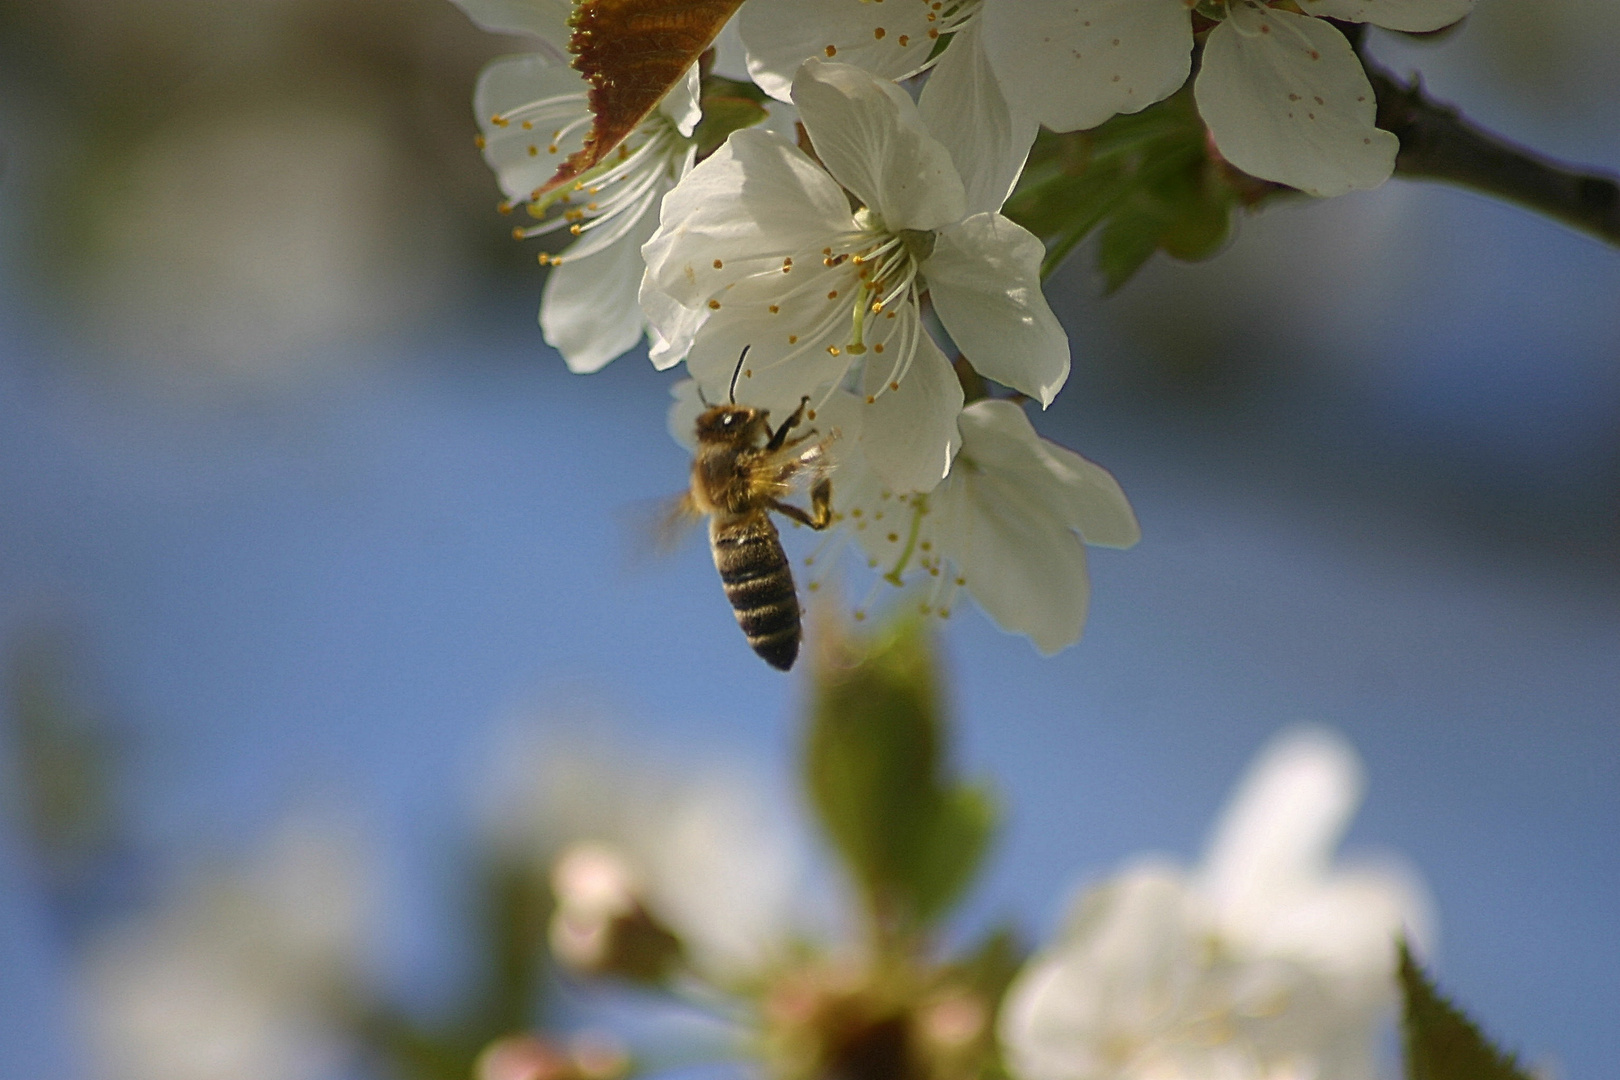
x=1437, y=143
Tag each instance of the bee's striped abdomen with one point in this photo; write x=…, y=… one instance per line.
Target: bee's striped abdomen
x=754, y=570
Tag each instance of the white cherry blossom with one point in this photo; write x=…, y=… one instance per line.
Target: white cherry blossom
x=897, y=40
x=1283, y=93
x=533, y=112
x=892, y=40
x=759, y=246
x=1010, y=524
x=1267, y=963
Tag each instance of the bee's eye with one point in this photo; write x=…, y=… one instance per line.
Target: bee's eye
x=725, y=421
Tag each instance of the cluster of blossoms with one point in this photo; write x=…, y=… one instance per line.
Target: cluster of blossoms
x=1268, y=961
x=843, y=240
x=1272, y=960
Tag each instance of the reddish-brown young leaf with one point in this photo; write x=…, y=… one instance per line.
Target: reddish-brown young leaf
x=633, y=51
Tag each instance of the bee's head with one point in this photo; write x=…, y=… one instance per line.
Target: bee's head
x=725, y=423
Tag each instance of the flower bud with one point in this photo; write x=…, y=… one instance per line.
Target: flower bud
x=601, y=926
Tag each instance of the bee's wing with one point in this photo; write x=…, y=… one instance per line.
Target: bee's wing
x=807, y=457
x=653, y=529
x=677, y=515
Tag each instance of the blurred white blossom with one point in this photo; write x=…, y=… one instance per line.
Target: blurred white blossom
x=1269, y=962
x=241, y=975
x=1283, y=93
x=705, y=853
x=240, y=243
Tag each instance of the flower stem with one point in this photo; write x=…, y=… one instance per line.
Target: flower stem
x=1439, y=143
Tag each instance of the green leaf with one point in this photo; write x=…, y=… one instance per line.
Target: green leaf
x=1128, y=241
x=1441, y=1042
x=953, y=848
x=910, y=834
x=1146, y=179
x=727, y=106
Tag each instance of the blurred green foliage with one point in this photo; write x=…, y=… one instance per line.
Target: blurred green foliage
x=876, y=770
x=1146, y=180
x=63, y=794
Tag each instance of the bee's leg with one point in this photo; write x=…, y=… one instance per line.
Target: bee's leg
x=779, y=436
x=820, y=515
x=821, y=503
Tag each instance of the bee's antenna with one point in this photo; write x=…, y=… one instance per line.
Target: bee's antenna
x=738, y=372
x=702, y=398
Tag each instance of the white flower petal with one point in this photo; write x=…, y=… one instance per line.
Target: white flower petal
x=723, y=871
x=1346, y=924
x=909, y=432
x=985, y=278
x=1268, y=872
x=962, y=105
x=889, y=40
x=754, y=201
x=681, y=103
x=1080, y=493
x=868, y=133
x=1027, y=578
x=1104, y=988
x=730, y=54
x=1023, y=564
x=1287, y=100
x=670, y=326
x=545, y=19
x=515, y=81
x=786, y=361
x=1413, y=16
x=683, y=413
x=588, y=309
x=1074, y=63
x=1281, y=826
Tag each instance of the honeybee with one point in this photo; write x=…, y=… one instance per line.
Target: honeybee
x=743, y=470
